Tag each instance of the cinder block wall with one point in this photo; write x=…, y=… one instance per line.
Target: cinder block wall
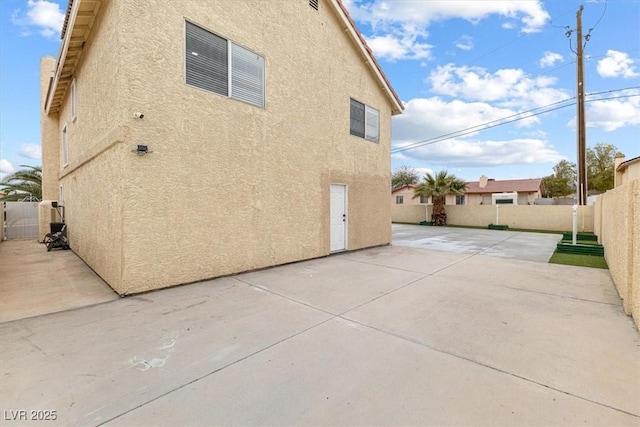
x=618, y=230
x=533, y=217
x=410, y=214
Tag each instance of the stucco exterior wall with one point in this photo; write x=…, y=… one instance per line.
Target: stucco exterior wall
x=618, y=229
x=92, y=179
x=50, y=132
x=229, y=186
x=533, y=217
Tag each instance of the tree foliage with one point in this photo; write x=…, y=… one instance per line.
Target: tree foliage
x=562, y=182
x=438, y=186
x=600, y=172
x=600, y=166
x=23, y=185
x=402, y=176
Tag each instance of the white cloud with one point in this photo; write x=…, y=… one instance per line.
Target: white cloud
x=425, y=118
x=465, y=42
x=6, y=168
x=398, y=28
x=382, y=12
x=45, y=15
x=509, y=88
x=550, y=58
x=393, y=48
x=613, y=114
x=31, y=151
x=617, y=64
x=483, y=153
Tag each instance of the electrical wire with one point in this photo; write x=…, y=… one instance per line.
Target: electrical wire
x=483, y=125
x=504, y=121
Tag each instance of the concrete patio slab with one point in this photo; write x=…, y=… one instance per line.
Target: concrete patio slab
x=384, y=336
x=592, y=284
x=501, y=243
x=342, y=373
x=35, y=282
x=95, y=363
x=563, y=343
x=406, y=258
x=333, y=284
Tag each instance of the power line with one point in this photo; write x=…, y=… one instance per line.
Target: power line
x=482, y=125
x=514, y=117
x=444, y=138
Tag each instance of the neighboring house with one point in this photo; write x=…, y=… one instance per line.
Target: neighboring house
x=404, y=196
x=488, y=191
x=196, y=139
x=623, y=173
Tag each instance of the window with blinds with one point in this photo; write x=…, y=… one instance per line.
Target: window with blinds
x=218, y=65
x=364, y=121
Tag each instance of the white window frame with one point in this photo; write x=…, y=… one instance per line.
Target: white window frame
x=74, y=106
x=368, y=123
x=65, y=146
x=230, y=74
x=61, y=195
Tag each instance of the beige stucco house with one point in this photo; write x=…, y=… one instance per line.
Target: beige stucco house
x=193, y=139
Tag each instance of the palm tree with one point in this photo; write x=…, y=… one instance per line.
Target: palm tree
x=437, y=187
x=23, y=185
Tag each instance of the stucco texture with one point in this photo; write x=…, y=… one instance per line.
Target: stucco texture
x=228, y=186
x=618, y=230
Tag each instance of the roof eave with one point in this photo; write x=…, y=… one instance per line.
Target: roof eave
x=79, y=21
x=369, y=59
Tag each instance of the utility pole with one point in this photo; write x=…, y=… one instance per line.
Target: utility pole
x=581, y=187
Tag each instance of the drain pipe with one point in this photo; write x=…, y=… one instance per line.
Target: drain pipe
x=497, y=214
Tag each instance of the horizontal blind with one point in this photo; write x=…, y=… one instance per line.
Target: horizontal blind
x=206, y=60
x=357, y=118
x=247, y=76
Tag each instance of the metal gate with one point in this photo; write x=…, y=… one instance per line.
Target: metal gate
x=21, y=220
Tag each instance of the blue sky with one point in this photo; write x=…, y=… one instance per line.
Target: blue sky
x=455, y=64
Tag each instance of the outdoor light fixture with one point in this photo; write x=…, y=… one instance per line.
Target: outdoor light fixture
x=141, y=150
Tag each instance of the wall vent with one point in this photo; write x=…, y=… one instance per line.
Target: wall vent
x=314, y=4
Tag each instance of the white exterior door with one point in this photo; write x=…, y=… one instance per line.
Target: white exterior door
x=338, y=217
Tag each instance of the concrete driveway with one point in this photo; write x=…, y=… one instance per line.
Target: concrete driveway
x=385, y=336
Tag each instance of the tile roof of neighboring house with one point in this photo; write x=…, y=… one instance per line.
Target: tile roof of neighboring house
x=402, y=188
x=506, y=186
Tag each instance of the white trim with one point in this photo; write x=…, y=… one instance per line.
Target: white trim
x=346, y=213
x=62, y=55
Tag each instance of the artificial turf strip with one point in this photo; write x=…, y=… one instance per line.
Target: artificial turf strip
x=579, y=260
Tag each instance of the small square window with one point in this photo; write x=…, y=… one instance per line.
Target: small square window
x=460, y=200
x=399, y=200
